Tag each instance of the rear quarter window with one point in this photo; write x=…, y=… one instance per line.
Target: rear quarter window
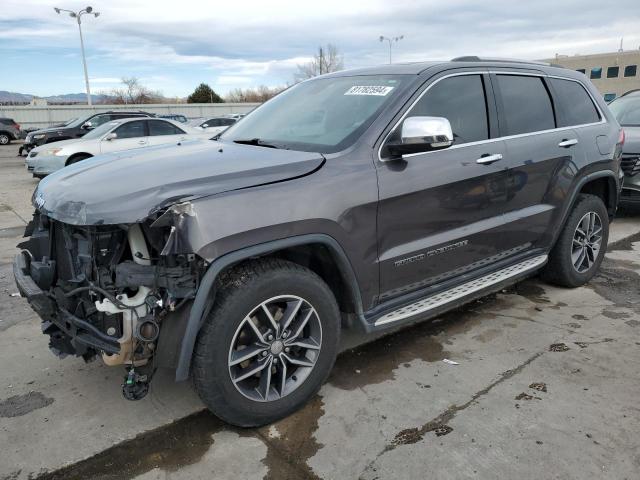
x=526, y=105
x=573, y=103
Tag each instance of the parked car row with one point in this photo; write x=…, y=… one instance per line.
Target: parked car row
x=80, y=138
x=114, y=136
x=626, y=109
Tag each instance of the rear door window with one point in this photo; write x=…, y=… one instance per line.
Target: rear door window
x=526, y=104
x=159, y=127
x=461, y=100
x=131, y=130
x=574, y=104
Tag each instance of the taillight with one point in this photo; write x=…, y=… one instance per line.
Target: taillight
x=621, y=137
x=17, y=125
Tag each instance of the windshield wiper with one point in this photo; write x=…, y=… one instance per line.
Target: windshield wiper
x=257, y=142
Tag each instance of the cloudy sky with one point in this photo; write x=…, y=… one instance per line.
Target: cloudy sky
x=174, y=45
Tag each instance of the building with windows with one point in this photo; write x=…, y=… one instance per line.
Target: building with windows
x=612, y=73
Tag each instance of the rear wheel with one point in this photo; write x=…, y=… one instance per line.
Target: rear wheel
x=579, y=251
x=268, y=344
x=5, y=139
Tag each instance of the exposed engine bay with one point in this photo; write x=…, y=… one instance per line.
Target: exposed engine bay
x=106, y=290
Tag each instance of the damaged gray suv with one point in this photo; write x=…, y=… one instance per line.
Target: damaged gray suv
x=364, y=199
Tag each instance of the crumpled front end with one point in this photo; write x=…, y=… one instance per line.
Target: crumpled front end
x=106, y=290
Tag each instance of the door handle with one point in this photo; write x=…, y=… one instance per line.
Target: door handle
x=487, y=158
x=568, y=143
x=142, y=142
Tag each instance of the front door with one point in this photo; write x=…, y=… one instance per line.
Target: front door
x=129, y=135
x=441, y=212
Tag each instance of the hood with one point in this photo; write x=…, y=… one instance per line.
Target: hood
x=631, y=140
x=48, y=131
x=58, y=144
x=128, y=186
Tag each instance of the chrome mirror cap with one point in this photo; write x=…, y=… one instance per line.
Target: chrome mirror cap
x=435, y=132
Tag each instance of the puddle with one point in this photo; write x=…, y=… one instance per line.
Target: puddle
x=19, y=405
x=293, y=444
x=531, y=291
x=169, y=448
x=617, y=284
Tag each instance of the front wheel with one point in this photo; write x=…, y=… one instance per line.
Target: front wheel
x=268, y=344
x=581, y=246
x=4, y=139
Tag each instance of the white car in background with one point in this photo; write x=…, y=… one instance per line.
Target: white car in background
x=114, y=136
x=214, y=125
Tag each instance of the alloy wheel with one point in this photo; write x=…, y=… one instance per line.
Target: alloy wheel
x=275, y=348
x=4, y=139
x=587, y=241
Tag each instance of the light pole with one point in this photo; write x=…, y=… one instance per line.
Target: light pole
x=391, y=40
x=77, y=16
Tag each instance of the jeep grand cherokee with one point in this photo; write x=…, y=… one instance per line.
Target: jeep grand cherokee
x=360, y=199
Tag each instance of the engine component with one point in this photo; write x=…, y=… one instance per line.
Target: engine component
x=147, y=330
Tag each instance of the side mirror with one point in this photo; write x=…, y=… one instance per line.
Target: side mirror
x=87, y=126
x=422, y=134
x=111, y=136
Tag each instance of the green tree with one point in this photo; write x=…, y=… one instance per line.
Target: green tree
x=204, y=94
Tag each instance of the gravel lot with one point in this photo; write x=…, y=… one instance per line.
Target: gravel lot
x=546, y=387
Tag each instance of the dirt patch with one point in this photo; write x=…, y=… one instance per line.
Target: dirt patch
x=624, y=244
x=526, y=396
x=615, y=315
x=488, y=335
x=577, y=316
x=20, y=405
x=632, y=323
x=539, y=386
x=558, y=347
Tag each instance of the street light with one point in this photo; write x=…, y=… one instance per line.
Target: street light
x=391, y=40
x=77, y=16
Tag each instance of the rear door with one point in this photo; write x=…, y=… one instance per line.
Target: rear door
x=440, y=213
x=129, y=135
x=538, y=152
x=163, y=132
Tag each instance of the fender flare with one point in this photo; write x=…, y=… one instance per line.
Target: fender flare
x=576, y=190
x=206, y=291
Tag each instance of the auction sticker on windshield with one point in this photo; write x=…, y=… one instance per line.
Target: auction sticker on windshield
x=377, y=90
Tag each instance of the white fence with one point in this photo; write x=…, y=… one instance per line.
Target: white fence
x=46, y=116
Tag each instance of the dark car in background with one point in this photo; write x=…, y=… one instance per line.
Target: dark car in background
x=626, y=109
x=175, y=117
x=9, y=130
x=76, y=129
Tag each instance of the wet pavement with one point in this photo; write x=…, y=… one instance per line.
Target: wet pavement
x=546, y=386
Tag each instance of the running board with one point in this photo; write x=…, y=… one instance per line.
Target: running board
x=461, y=291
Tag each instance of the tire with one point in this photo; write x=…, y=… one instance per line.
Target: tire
x=5, y=139
x=240, y=292
x=77, y=159
x=560, y=269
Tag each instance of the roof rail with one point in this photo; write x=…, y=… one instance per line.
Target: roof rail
x=474, y=58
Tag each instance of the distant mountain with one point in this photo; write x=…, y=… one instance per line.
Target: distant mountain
x=14, y=97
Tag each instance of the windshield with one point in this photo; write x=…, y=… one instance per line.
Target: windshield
x=627, y=110
x=98, y=132
x=76, y=122
x=323, y=115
